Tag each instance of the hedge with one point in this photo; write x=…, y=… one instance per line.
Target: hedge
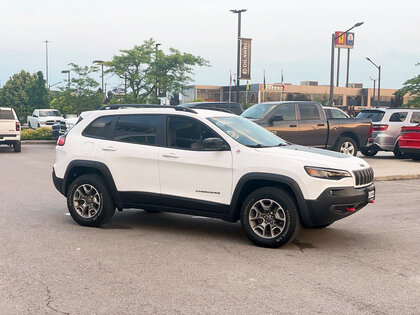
x=42, y=133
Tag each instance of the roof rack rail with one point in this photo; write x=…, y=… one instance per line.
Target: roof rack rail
x=184, y=109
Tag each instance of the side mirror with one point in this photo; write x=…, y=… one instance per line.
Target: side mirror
x=214, y=144
x=276, y=118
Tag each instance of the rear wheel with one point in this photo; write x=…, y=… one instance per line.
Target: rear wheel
x=89, y=201
x=347, y=146
x=17, y=146
x=369, y=151
x=398, y=154
x=269, y=217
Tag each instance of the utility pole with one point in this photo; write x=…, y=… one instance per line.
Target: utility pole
x=238, y=73
x=46, y=60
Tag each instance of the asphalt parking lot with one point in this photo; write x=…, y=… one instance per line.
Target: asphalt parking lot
x=169, y=263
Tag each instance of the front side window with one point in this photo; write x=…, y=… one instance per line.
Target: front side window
x=100, y=128
x=308, y=112
x=138, y=129
x=187, y=133
x=415, y=118
x=398, y=117
x=246, y=132
x=287, y=111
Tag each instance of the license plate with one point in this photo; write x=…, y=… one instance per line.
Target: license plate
x=371, y=195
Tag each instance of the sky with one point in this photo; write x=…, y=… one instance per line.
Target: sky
x=293, y=36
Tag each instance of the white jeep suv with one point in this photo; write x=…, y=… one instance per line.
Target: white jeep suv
x=205, y=163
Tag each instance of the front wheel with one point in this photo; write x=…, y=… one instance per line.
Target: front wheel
x=269, y=217
x=17, y=146
x=347, y=146
x=368, y=151
x=89, y=201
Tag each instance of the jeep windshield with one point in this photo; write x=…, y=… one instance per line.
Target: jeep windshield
x=246, y=132
x=46, y=113
x=257, y=111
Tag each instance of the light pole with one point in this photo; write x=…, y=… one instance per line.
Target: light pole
x=101, y=63
x=333, y=38
x=378, y=103
x=239, y=51
x=46, y=60
x=68, y=77
x=374, y=86
x=156, y=57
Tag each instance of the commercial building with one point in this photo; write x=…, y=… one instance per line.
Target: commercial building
x=354, y=95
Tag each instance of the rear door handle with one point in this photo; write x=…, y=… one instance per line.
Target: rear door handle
x=109, y=149
x=321, y=125
x=170, y=155
x=292, y=126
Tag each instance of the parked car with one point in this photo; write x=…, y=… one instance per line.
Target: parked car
x=409, y=142
x=61, y=128
x=44, y=118
x=334, y=112
x=124, y=106
x=9, y=128
x=206, y=163
x=387, y=124
x=307, y=123
x=234, y=108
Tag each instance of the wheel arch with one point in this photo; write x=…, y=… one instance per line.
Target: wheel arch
x=348, y=134
x=253, y=181
x=77, y=168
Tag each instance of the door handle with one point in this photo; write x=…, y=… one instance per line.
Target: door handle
x=109, y=149
x=170, y=155
x=292, y=125
x=321, y=125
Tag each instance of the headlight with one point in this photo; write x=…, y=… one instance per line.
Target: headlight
x=42, y=122
x=326, y=173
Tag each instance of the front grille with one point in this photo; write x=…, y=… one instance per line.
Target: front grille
x=50, y=122
x=364, y=176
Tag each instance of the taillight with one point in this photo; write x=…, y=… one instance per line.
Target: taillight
x=380, y=127
x=61, y=141
x=17, y=126
x=371, y=130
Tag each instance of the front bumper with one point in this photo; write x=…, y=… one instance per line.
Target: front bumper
x=336, y=203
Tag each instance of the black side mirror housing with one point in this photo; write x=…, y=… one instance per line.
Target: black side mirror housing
x=276, y=118
x=214, y=144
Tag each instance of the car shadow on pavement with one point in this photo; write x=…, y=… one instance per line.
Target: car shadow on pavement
x=6, y=149
x=176, y=225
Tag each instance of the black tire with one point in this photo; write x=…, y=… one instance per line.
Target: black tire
x=398, y=154
x=368, y=151
x=290, y=224
x=344, y=141
x=415, y=157
x=106, y=208
x=39, y=126
x=29, y=125
x=17, y=146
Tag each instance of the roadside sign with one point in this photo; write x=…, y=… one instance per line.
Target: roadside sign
x=344, y=40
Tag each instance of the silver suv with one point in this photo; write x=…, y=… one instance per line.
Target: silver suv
x=387, y=125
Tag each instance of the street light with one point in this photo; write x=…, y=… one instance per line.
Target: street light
x=378, y=103
x=239, y=51
x=68, y=76
x=156, y=82
x=333, y=38
x=374, y=86
x=101, y=63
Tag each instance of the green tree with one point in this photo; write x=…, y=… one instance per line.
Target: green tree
x=412, y=88
x=38, y=92
x=15, y=93
x=83, y=94
x=146, y=70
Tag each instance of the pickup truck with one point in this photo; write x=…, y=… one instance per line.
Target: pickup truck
x=44, y=118
x=9, y=128
x=306, y=123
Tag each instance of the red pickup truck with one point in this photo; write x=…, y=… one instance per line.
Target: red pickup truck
x=409, y=141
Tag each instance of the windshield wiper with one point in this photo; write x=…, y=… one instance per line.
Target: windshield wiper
x=258, y=145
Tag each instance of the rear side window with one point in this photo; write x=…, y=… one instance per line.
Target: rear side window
x=138, y=129
x=415, y=118
x=398, y=117
x=100, y=128
x=374, y=115
x=308, y=112
x=6, y=114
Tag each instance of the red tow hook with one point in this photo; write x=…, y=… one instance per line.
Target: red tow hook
x=351, y=209
x=372, y=201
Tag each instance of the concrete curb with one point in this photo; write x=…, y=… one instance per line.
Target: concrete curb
x=396, y=177
x=39, y=141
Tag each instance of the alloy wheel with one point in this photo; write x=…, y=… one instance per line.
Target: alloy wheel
x=86, y=201
x=267, y=218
